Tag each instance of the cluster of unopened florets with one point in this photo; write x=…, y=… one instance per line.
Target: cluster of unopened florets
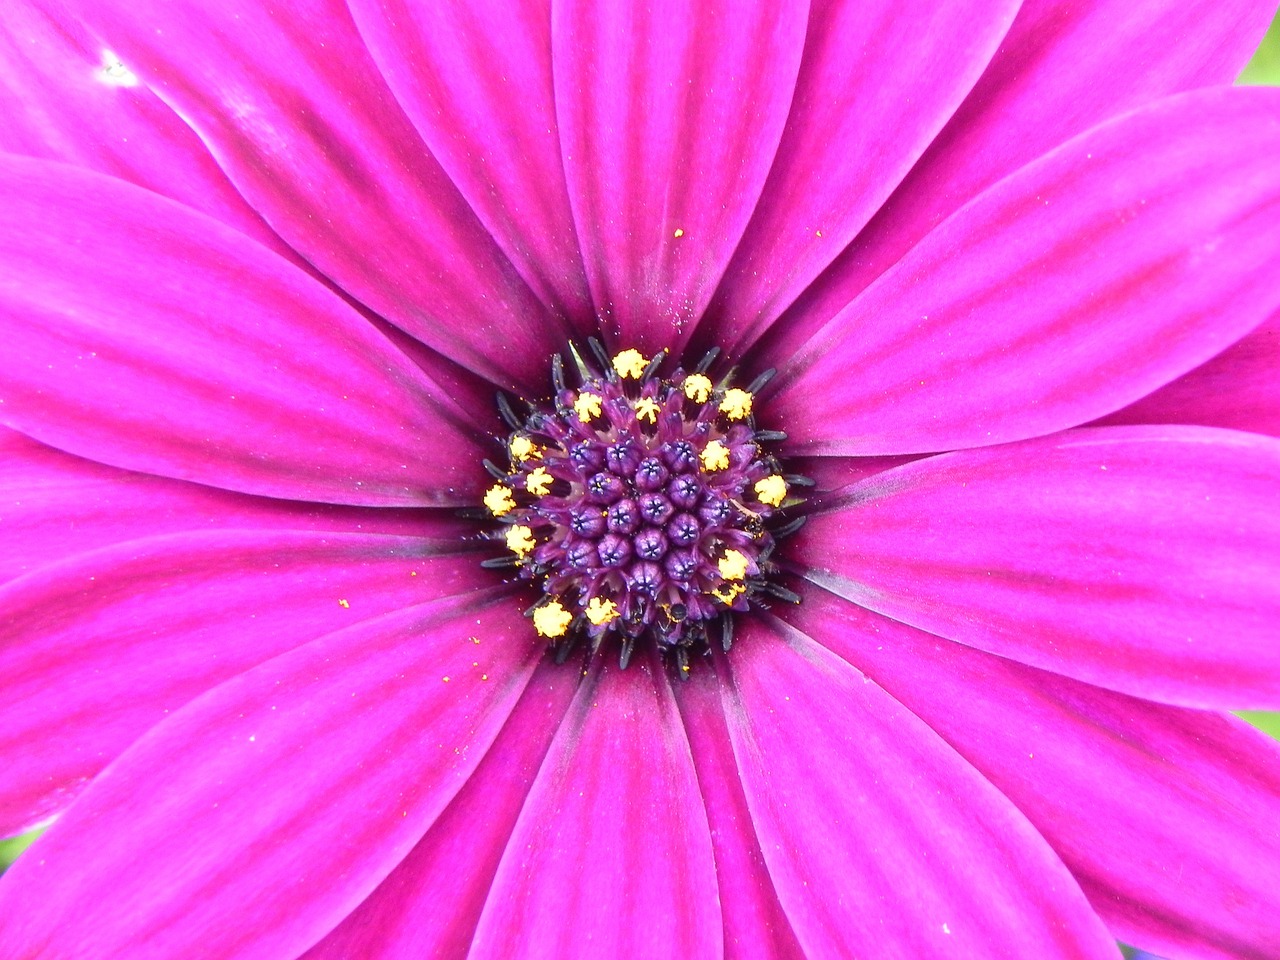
x=647, y=506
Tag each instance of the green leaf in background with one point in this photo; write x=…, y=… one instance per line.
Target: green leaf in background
x=1264, y=68
x=1266, y=722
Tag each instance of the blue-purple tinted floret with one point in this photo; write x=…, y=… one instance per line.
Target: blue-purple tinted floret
x=646, y=507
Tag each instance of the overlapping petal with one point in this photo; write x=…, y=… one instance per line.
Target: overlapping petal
x=64, y=96
x=1238, y=389
x=431, y=902
x=166, y=619
x=850, y=138
x=142, y=334
x=874, y=830
x=755, y=925
x=297, y=115
x=1163, y=814
x=611, y=855
x=669, y=115
x=1064, y=67
x=1143, y=559
x=1093, y=276
x=202, y=868
x=54, y=505
x=475, y=79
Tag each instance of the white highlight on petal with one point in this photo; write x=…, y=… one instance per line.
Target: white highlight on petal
x=114, y=73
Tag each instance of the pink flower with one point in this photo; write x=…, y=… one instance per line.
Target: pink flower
x=264, y=268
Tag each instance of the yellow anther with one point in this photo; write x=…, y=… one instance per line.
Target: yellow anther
x=736, y=404
x=601, y=612
x=728, y=593
x=714, y=456
x=587, y=406
x=697, y=387
x=499, y=500
x=520, y=540
x=733, y=565
x=630, y=363
x=647, y=409
x=552, y=619
x=522, y=448
x=771, y=490
x=538, y=482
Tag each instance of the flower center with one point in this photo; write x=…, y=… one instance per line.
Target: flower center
x=646, y=506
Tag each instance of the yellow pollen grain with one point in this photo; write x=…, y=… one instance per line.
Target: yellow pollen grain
x=552, y=619
x=522, y=448
x=520, y=540
x=601, y=612
x=647, y=409
x=728, y=594
x=344, y=604
x=714, y=456
x=630, y=363
x=697, y=387
x=771, y=490
x=736, y=404
x=538, y=482
x=499, y=500
x=733, y=565
x=588, y=406
x=679, y=233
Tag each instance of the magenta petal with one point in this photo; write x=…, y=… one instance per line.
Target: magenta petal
x=670, y=113
x=851, y=137
x=875, y=831
x=611, y=856
x=755, y=925
x=63, y=96
x=99, y=648
x=1064, y=67
x=296, y=113
x=150, y=337
x=257, y=817
x=475, y=79
x=1238, y=389
x=429, y=905
x=1143, y=559
x=54, y=505
x=1166, y=816
x=1086, y=280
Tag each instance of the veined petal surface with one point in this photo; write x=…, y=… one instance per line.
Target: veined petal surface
x=875, y=831
x=669, y=115
x=431, y=902
x=168, y=618
x=64, y=96
x=1064, y=67
x=474, y=76
x=201, y=868
x=611, y=856
x=295, y=111
x=142, y=334
x=755, y=925
x=851, y=137
x=1104, y=270
x=1142, y=559
x=1238, y=389
x=54, y=505
x=1165, y=815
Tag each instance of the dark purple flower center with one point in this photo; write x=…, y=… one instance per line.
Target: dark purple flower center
x=646, y=506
